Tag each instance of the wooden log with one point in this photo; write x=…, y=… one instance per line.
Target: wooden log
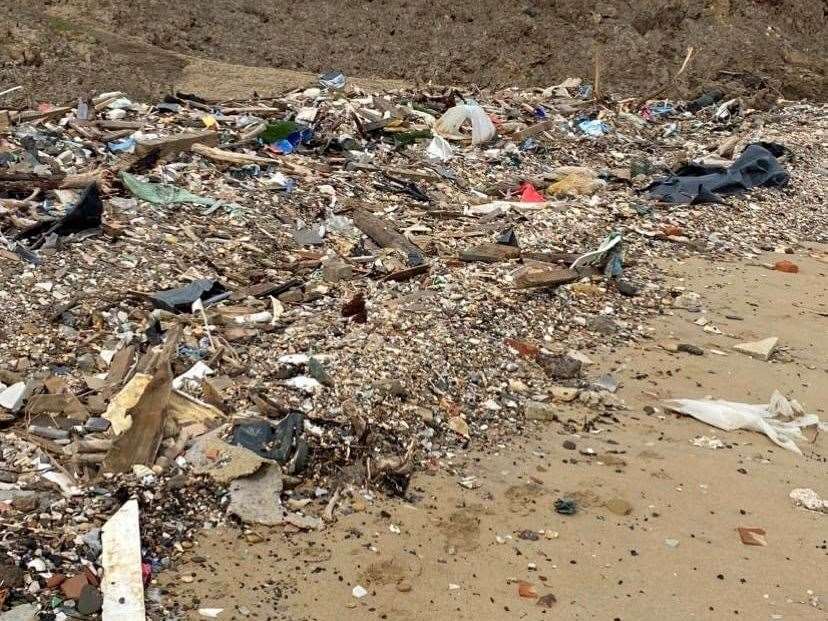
x=228, y=157
x=386, y=236
x=117, y=125
x=24, y=182
x=149, y=152
x=37, y=115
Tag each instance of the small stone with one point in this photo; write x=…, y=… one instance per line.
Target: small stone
x=564, y=393
x=580, y=357
x=560, y=367
x=459, y=426
x=426, y=414
x=525, y=589
x=73, y=586
x=619, y=506
x=90, y=600
x=25, y=504
x=689, y=348
x=761, y=350
x=671, y=543
x=608, y=459
x=538, y=410
x=55, y=580
x=96, y=404
x=625, y=287
x=671, y=346
x=391, y=388
x=96, y=424
x=92, y=539
x=359, y=592
x=565, y=506
x=10, y=575
x=404, y=586
x=316, y=369
x=689, y=301
x=86, y=362
x=336, y=270
x=308, y=236
x=292, y=296
x=569, y=445
x=602, y=325
x=752, y=536
x=23, y=612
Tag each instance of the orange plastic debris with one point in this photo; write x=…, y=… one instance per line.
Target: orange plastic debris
x=786, y=266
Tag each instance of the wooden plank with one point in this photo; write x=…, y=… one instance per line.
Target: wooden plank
x=387, y=236
x=149, y=152
x=229, y=157
x=122, y=584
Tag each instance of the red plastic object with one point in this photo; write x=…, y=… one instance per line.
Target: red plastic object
x=528, y=194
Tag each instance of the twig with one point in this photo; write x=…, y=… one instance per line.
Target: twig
x=10, y=90
x=685, y=63
x=661, y=89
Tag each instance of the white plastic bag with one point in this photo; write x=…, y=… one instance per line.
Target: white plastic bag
x=439, y=149
x=448, y=125
x=729, y=416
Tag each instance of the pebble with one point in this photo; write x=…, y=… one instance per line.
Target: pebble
x=96, y=424
x=90, y=600
x=359, y=592
x=619, y=506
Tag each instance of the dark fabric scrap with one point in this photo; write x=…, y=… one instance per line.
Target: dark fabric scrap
x=85, y=215
x=692, y=184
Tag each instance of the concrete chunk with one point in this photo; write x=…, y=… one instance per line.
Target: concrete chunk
x=761, y=350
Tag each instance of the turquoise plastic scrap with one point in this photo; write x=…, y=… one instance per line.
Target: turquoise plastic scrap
x=162, y=193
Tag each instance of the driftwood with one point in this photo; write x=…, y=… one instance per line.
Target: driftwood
x=116, y=125
x=228, y=157
x=24, y=182
x=386, y=236
x=37, y=115
x=150, y=152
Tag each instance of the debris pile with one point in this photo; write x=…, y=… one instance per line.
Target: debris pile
x=246, y=310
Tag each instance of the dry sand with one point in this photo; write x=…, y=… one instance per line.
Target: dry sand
x=601, y=565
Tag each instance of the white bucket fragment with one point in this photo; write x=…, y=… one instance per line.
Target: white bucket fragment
x=448, y=125
x=781, y=420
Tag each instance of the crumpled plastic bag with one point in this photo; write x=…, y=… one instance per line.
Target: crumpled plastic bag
x=772, y=419
x=162, y=193
x=439, y=149
x=448, y=125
